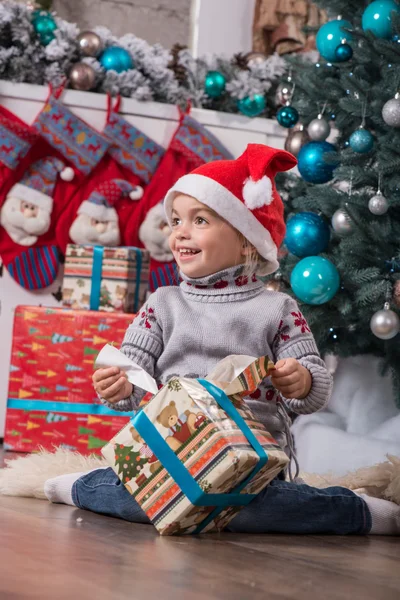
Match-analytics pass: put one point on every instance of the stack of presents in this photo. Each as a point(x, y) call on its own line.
point(194, 454)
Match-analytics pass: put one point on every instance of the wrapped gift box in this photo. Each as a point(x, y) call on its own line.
point(102, 278)
point(195, 455)
point(51, 400)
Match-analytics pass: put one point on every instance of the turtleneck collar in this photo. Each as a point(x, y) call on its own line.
point(224, 286)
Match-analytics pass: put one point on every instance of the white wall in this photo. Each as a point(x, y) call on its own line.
point(221, 26)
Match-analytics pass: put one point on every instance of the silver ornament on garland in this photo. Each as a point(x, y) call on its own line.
point(385, 324)
point(319, 129)
point(255, 58)
point(341, 222)
point(284, 92)
point(378, 204)
point(90, 44)
point(82, 77)
point(296, 139)
point(391, 111)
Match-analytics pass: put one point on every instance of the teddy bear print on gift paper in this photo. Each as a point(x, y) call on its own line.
point(145, 451)
point(180, 426)
point(119, 300)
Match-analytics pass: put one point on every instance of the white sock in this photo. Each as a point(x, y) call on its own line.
point(59, 489)
point(385, 515)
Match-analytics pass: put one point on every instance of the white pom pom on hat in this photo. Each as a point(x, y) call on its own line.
point(67, 174)
point(136, 193)
point(243, 192)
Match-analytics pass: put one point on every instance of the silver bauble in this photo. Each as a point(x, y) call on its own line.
point(385, 324)
point(391, 112)
point(296, 140)
point(378, 204)
point(255, 58)
point(283, 93)
point(90, 43)
point(342, 223)
point(319, 129)
point(82, 77)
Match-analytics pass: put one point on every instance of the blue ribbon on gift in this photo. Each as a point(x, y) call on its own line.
point(98, 253)
point(189, 486)
point(65, 407)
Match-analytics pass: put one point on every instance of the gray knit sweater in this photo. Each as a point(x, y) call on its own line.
point(185, 331)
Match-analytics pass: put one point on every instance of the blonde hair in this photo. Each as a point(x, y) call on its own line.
point(253, 259)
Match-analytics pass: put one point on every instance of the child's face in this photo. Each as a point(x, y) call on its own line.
point(202, 242)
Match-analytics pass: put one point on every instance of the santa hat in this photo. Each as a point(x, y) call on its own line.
point(243, 192)
point(38, 181)
point(100, 204)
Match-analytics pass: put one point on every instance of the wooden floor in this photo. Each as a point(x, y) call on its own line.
point(59, 552)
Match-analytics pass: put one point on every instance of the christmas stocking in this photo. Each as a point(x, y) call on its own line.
point(16, 140)
point(191, 146)
point(115, 187)
point(35, 202)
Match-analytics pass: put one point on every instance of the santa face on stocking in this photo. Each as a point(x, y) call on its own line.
point(97, 219)
point(26, 213)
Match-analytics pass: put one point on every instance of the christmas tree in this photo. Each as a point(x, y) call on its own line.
point(129, 462)
point(341, 257)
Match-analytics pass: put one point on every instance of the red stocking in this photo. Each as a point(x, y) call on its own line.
point(191, 146)
point(120, 178)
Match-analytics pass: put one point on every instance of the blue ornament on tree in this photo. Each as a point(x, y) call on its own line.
point(361, 141)
point(343, 52)
point(252, 106)
point(307, 234)
point(330, 36)
point(377, 17)
point(312, 162)
point(116, 59)
point(214, 84)
point(315, 280)
point(44, 26)
point(287, 116)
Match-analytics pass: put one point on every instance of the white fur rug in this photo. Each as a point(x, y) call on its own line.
point(25, 475)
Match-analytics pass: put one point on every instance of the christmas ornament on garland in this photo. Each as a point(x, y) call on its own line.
point(315, 280)
point(82, 77)
point(252, 106)
point(385, 324)
point(287, 116)
point(377, 18)
point(44, 25)
point(284, 91)
point(361, 140)
point(90, 43)
point(255, 58)
point(330, 39)
point(312, 162)
point(378, 204)
point(307, 234)
point(214, 84)
point(116, 59)
point(319, 128)
point(296, 139)
point(391, 111)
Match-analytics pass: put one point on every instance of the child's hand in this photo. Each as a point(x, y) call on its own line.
point(291, 379)
point(112, 384)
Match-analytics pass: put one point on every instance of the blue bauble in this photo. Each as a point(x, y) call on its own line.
point(307, 234)
point(330, 36)
point(315, 280)
point(377, 17)
point(311, 162)
point(44, 26)
point(116, 59)
point(251, 107)
point(287, 116)
point(361, 141)
point(343, 52)
point(214, 84)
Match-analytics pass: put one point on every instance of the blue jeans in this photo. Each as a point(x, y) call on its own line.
point(282, 507)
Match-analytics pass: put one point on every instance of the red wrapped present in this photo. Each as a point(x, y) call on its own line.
point(51, 400)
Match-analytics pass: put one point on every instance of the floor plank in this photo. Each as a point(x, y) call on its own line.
point(56, 551)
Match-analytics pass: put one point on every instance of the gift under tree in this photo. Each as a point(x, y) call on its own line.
point(343, 227)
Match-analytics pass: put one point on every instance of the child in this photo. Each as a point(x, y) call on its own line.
point(227, 225)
